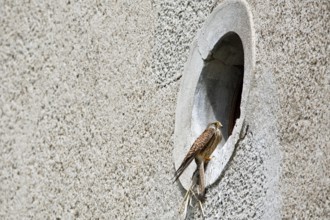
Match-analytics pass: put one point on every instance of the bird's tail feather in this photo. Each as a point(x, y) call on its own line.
point(182, 167)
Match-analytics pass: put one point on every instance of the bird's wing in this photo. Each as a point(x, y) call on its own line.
point(201, 142)
point(197, 146)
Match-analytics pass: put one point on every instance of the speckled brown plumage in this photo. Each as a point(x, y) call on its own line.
point(202, 148)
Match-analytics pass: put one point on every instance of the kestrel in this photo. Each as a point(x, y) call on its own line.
point(201, 151)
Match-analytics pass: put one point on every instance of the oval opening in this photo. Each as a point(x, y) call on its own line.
point(219, 88)
point(215, 86)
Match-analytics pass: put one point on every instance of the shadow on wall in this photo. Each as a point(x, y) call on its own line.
point(219, 88)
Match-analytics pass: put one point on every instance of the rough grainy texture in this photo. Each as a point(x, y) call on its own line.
point(84, 132)
point(87, 101)
point(293, 45)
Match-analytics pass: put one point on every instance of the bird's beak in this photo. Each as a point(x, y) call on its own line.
point(219, 124)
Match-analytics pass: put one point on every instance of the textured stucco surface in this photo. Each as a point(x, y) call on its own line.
point(87, 106)
point(293, 46)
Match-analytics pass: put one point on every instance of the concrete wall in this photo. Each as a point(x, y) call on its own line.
point(87, 106)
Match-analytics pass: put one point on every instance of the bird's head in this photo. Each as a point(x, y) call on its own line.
point(217, 124)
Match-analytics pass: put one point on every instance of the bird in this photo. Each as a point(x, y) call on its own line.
point(201, 151)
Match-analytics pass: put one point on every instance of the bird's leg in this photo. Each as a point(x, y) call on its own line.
point(201, 181)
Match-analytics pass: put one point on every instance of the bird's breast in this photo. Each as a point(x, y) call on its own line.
point(212, 144)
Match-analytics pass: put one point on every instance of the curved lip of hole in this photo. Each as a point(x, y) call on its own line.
point(219, 84)
point(220, 22)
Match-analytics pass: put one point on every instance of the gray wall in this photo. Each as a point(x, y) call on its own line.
point(87, 106)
